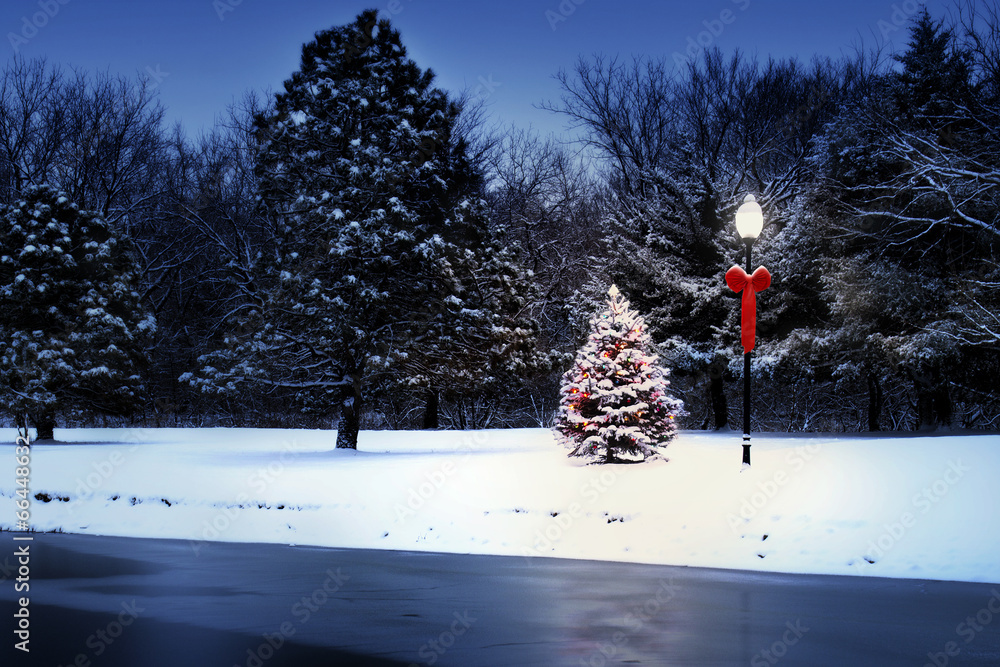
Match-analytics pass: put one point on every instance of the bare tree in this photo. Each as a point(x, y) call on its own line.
point(114, 145)
point(624, 112)
point(200, 246)
point(33, 124)
point(544, 199)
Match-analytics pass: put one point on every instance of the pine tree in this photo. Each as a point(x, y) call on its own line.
point(615, 404)
point(474, 338)
point(72, 333)
point(370, 189)
point(910, 170)
point(935, 83)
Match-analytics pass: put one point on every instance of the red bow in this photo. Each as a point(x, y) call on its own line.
point(739, 281)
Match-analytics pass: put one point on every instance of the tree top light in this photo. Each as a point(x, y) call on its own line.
point(749, 219)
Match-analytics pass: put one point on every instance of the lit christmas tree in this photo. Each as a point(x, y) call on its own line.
point(615, 405)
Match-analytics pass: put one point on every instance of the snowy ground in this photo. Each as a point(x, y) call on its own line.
point(904, 506)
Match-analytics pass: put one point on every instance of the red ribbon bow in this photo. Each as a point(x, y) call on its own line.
point(739, 281)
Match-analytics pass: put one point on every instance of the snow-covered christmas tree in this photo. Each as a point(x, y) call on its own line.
point(615, 405)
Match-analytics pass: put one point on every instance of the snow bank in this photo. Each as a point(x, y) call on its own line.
point(896, 506)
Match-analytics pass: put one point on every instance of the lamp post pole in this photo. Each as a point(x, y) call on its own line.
point(746, 381)
point(749, 223)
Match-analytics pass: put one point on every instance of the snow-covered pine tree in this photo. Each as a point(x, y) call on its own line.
point(615, 404)
point(474, 338)
point(367, 181)
point(935, 87)
point(907, 171)
point(72, 333)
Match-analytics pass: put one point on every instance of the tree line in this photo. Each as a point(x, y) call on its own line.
point(365, 250)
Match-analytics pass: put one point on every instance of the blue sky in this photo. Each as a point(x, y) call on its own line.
point(205, 53)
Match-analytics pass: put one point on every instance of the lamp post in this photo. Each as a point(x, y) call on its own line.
point(749, 223)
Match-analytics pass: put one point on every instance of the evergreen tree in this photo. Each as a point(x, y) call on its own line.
point(936, 79)
point(615, 404)
point(911, 170)
point(474, 337)
point(373, 198)
point(72, 333)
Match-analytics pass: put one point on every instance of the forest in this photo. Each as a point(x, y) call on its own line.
point(363, 250)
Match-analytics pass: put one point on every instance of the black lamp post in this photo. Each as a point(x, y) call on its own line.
point(749, 223)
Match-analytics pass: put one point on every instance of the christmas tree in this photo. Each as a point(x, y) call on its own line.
point(615, 405)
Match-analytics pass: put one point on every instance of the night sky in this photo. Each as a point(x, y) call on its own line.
point(206, 53)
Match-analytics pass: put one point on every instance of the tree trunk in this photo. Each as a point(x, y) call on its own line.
point(875, 402)
point(720, 407)
point(21, 421)
point(45, 424)
point(431, 411)
point(925, 415)
point(942, 405)
point(934, 405)
point(350, 416)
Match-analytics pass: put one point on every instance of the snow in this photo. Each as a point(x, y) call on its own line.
point(919, 506)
